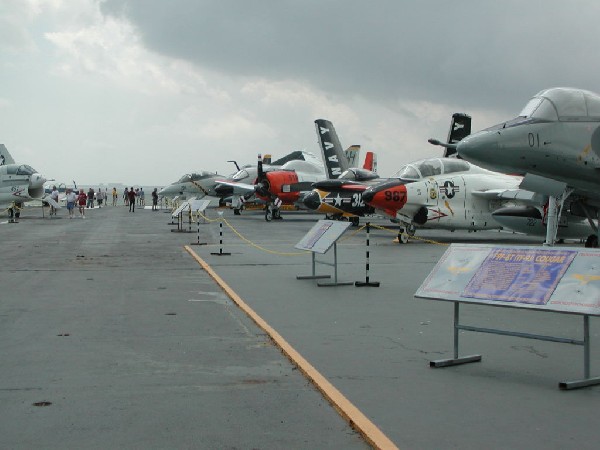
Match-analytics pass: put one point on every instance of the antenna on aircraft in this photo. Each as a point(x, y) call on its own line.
point(236, 164)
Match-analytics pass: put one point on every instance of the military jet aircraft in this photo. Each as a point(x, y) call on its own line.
point(342, 197)
point(204, 183)
point(284, 186)
point(197, 184)
point(555, 143)
point(442, 193)
point(291, 182)
point(19, 183)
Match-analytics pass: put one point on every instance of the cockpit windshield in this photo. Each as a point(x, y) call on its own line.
point(358, 174)
point(431, 167)
point(564, 104)
point(188, 177)
point(301, 166)
point(24, 169)
point(185, 179)
point(240, 175)
point(201, 175)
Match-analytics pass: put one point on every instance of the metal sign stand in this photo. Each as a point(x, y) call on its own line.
point(565, 385)
point(200, 206)
point(320, 239)
point(492, 275)
point(179, 213)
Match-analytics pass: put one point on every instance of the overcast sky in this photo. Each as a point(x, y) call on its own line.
point(143, 91)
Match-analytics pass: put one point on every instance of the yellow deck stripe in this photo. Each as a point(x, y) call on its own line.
point(345, 408)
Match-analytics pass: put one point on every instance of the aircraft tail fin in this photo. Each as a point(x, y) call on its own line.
point(370, 162)
point(460, 128)
point(333, 154)
point(352, 155)
point(5, 157)
point(267, 159)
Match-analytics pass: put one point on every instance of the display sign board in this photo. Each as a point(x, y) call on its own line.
point(199, 205)
point(561, 279)
point(185, 205)
point(322, 236)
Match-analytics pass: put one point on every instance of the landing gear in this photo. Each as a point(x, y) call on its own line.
point(592, 241)
point(237, 211)
point(402, 235)
point(355, 221)
point(405, 233)
point(272, 213)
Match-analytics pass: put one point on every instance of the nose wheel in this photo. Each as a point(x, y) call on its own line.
point(272, 213)
point(405, 233)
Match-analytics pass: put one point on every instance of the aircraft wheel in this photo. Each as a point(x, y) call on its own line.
point(592, 241)
point(355, 221)
point(402, 236)
point(268, 215)
point(236, 212)
point(277, 214)
point(411, 230)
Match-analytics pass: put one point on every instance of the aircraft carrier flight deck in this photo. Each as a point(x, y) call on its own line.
point(113, 335)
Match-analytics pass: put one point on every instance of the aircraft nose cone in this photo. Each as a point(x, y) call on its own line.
point(478, 148)
point(312, 200)
point(390, 195)
point(37, 180)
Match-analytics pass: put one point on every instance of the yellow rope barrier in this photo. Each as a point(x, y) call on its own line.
point(273, 252)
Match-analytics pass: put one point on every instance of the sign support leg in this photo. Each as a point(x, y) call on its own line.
point(587, 381)
point(456, 360)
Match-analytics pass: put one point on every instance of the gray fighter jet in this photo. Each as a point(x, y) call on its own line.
point(555, 143)
point(19, 183)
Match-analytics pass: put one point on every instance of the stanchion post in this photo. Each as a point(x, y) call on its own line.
point(198, 221)
point(367, 282)
point(221, 252)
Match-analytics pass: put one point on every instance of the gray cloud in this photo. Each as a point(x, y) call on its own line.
point(494, 54)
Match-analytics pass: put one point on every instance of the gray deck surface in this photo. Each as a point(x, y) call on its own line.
point(135, 346)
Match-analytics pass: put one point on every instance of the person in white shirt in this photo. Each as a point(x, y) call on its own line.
point(71, 198)
point(53, 196)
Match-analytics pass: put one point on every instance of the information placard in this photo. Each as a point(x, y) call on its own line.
point(546, 278)
point(199, 205)
point(322, 236)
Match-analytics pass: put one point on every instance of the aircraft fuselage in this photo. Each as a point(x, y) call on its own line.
point(446, 202)
point(564, 151)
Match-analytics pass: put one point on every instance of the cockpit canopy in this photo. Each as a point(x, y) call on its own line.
point(563, 104)
point(188, 177)
point(302, 166)
point(357, 174)
point(429, 167)
point(23, 169)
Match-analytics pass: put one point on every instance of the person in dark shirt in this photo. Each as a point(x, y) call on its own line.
point(154, 200)
point(131, 197)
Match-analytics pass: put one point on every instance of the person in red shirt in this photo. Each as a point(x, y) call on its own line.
point(81, 201)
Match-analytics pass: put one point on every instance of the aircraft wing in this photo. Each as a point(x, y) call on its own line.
point(520, 195)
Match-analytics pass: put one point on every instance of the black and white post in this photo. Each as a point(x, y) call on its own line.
point(367, 282)
point(221, 252)
point(198, 222)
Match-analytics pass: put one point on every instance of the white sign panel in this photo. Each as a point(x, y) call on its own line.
point(322, 236)
point(561, 279)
